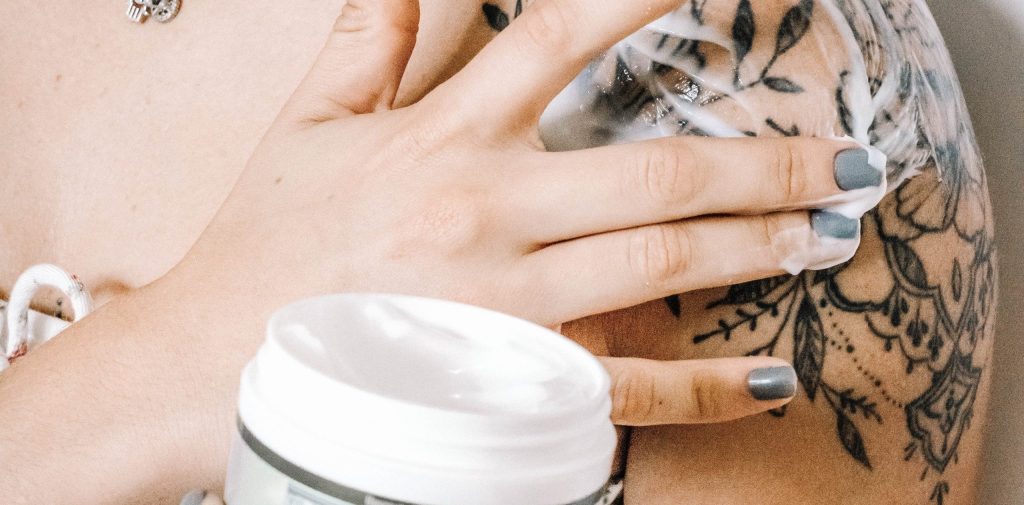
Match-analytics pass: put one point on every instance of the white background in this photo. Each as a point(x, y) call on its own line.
point(986, 39)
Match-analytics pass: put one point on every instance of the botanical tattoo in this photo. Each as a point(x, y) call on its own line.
point(934, 317)
point(931, 238)
point(499, 19)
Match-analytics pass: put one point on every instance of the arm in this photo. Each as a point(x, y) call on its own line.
point(131, 403)
point(892, 349)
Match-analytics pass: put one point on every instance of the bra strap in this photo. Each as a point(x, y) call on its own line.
point(17, 339)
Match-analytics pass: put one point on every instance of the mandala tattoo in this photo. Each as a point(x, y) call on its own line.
point(932, 236)
point(933, 320)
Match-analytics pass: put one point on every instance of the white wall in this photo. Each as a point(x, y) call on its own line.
point(986, 39)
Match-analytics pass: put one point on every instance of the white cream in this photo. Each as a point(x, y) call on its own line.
point(890, 111)
point(806, 250)
point(482, 372)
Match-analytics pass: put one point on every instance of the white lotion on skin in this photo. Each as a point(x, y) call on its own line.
point(683, 75)
point(855, 203)
point(806, 250)
point(419, 401)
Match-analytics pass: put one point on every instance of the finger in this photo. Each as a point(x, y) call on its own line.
point(362, 63)
point(620, 269)
point(623, 186)
point(526, 65)
point(648, 392)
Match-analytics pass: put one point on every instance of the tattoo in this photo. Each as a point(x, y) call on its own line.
point(794, 26)
point(933, 317)
point(939, 492)
point(697, 10)
point(497, 18)
point(935, 310)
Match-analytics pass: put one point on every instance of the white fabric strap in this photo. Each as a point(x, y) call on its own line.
point(16, 336)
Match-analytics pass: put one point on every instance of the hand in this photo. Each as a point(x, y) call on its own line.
point(450, 197)
point(454, 197)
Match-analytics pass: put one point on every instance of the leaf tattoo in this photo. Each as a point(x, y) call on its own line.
point(851, 439)
point(751, 291)
point(939, 492)
point(913, 270)
point(809, 347)
point(842, 109)
point(743, 31)
point(794, 26)
point(496, 17)
point(782, 85)
point(957, 281)
point(674, 305)
point(793, 131)
point(697, 10)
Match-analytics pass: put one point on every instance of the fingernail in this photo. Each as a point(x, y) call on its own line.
point(830, 224)
point(772, 383)
point(853, 170)
point(194, 498)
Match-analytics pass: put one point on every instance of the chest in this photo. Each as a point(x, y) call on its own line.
point(120, 140)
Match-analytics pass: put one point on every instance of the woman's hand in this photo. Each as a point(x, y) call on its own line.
point(451, 197)
point(454, 197)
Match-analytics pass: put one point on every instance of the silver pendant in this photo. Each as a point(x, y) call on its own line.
point(160, 10)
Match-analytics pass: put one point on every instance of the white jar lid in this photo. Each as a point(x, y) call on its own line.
point(430, 402)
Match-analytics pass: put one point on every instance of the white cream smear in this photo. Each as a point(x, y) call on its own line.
point(806, 250)
point(858, 79)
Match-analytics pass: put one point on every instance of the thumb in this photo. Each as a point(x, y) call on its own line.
point(362, 63)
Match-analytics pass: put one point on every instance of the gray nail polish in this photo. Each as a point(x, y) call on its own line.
point(853, 170)
point(194, 498)
point(772, 383)
point(830, 224)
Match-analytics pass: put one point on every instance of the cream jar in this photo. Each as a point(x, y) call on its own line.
point(384, 399)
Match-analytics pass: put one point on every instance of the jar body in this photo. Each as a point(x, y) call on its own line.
point(363, 398)
point(257, 476)
point(252, 480)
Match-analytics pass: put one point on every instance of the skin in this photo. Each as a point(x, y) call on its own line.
point(740, 459)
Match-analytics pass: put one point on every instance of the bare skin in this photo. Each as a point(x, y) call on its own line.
point(158, 155)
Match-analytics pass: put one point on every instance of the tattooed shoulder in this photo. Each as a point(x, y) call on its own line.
point(923, 288)
point(899, 337)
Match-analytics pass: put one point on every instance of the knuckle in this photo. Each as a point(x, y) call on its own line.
point(707, 393)
point(788, 168)
point(767, 229)
point(356, 16)
point(448, 226)
point(424, 143)
point(548, 29)
point(666, 176)
point(360, 16)
point(633, 396)
point(457, 222)
point(660, 255)
point(771, 231)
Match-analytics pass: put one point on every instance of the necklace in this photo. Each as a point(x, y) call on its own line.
point(160, 10)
